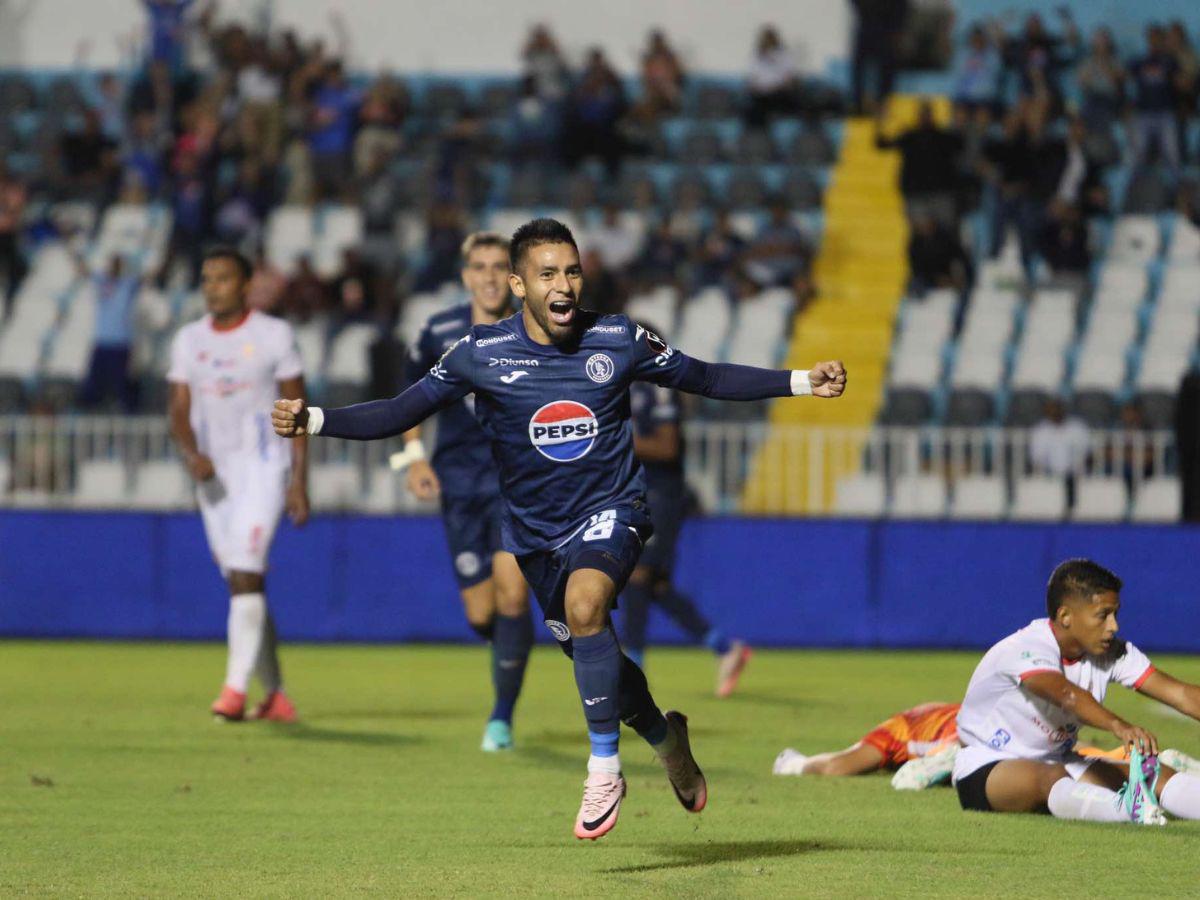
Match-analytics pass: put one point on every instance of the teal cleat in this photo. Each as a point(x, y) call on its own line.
point(497, 736)
point(1137, 796)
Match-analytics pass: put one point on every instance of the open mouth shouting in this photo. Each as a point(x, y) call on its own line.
point(562, 312)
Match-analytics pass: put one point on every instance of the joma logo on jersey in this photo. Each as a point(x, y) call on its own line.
point(564, 430)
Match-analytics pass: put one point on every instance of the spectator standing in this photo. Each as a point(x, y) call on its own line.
point(936, 257)
point(116, 292)
point(1037, 57)
point(1058, 446)
point(779, 251)
point(13, 198)
point(977, 72)
point(333, 114)
point(1101, 79)
point(1008, 168)
point(928, 164)
point(876, 38)
point(594, 111)
point(168, 31)
point(1155, 78)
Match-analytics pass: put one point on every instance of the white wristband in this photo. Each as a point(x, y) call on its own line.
point(414, 451)
point(316, 418)
point(801, 386)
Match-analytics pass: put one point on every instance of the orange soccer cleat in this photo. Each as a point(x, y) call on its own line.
point(230, 706)
point(275, 707)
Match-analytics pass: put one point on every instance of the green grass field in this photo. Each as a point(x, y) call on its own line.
point(114, 780)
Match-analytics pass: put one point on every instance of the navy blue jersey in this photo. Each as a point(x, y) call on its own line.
point(653, 405)
point(462, 456)
point(558, 417)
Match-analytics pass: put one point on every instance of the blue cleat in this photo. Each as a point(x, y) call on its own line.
point(497, 736)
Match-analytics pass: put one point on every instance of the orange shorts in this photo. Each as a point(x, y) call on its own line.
point(914, 733)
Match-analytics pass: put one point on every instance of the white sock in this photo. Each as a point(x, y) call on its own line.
point(1181, 796)
point(267, 666)
point(610, 764)
point(1071, 799)
point(247, 620)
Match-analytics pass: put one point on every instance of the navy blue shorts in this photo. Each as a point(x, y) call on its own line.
point(473, 532)
point(610, 540)
point(667, 514)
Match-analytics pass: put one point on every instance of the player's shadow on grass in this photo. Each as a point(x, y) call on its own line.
point(302, 731)
point(399, 713)
point(710, 853)
point(543, 749)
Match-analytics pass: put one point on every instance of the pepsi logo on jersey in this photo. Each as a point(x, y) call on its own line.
point(563, 430)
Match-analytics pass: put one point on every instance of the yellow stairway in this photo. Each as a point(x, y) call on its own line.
point(860, 273)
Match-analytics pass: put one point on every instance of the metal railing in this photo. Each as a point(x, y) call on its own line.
point(734, 467)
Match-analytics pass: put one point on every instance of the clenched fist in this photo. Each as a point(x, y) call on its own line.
point(289, 418)
point(828, 379)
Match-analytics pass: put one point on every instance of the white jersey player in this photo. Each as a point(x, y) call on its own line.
point(1032, 692)
point(225, 372)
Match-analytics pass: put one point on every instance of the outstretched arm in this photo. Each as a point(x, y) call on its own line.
point(1054, 687)
point(1175, 693)
point(363, 421)
point(723, 381)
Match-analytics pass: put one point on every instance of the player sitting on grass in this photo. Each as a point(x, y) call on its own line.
point(551, 389)
point(920, 744)
point(1029, 696)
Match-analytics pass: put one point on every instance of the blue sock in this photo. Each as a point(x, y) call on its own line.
point(715, 640)
point(598, 661)
point(512, 639)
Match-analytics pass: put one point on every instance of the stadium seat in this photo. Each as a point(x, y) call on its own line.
point(1025, 406)
point(71, 349)
point(915, 369)
point(1121, 284)
point(384, 491)
point(1096, 373)
point(349, 355)
point(657, 308)
point(906, 405)
point(704, 324)
point(1100, 500)
point(1158, 500)
point(1185, 242)
point(334, 486)
point(417, 310)
point(162, 484)
point(310, 341)
point(978, 497)
point(969, 407)
point(1180, 289)
point(1135, 238)
point(1097, 407)
point(1039, 498)
point(918, 497)
point(1158, 407)
point(340, 227)
point(860, 496)
point(290, 235)
point(759, 327)
point(101, 483)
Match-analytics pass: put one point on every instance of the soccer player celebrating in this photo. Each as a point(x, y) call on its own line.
point(222, 368)
point(552, 394)
point(658, 445)
point(464, 476)
point(1029, 696)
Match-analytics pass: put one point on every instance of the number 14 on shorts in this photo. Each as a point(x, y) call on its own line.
point(600, 526)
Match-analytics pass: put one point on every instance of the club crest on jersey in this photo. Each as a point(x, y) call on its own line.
point(563, 430)
point(599, 368)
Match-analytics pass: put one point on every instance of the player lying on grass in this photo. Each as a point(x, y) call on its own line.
point(463, 476)
point(1031, 693)
point(551, 389)
point(920, 746)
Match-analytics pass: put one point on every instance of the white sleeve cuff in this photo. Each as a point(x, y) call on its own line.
point(316, 418)
point(801, 386)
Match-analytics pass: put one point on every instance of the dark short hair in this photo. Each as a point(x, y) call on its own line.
point(1078, 578)
point(537, 232)
point(479, 239)
point(239, 259)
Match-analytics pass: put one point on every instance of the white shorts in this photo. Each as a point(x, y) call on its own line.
point(969, 759)
point(241, 507)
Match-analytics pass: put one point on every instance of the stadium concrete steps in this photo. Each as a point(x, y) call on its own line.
point(860, 273)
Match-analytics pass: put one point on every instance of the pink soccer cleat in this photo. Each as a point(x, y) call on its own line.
point(685, 776)
point(275, 707)
point(230, 706)
point(602, 795)
point(730, 666)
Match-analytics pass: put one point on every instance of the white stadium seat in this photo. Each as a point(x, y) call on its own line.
point(704, 324)
point(290, 235)
point(339, 227)
point(335, 487)
point(349, 355)
point(918, 497)
point(1180, 289)
point(915, 370)
point(977, 370)
point(1100, 500)
point(1121, 284)
point(1039, 498)
point(1185, 241)
point(979, 497)
point(861, 496)
point(1135, 238)
point(658, 307)
point(162, 484)
point(101, 483)
point(71, 349)
point(759, 328)
point(1158, 500)
point(1099, 372)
